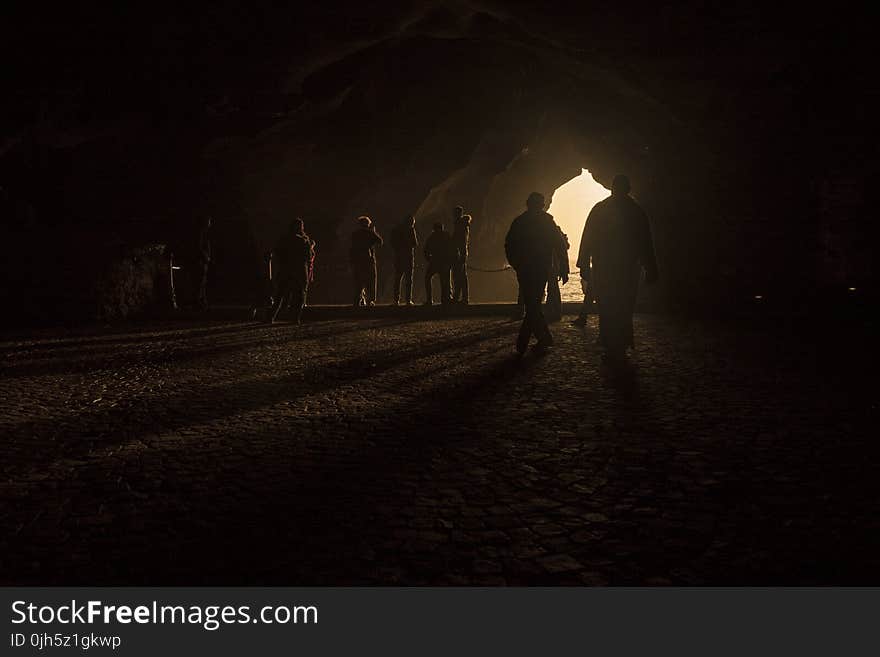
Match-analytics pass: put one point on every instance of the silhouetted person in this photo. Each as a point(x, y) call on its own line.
point(532, 244)
point(441, 255)
point(461, 237)
point(404, 240)
point(559, 271)
point(313, 251)
point(204, 262)
point(290, 264)
point(615, 247)
point(362, 256)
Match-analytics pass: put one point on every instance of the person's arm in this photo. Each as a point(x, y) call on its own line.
point(564, 267)
point(511, 247)
point(586, 249)
point(377, 238)
point(414, 238)
point(562, 247)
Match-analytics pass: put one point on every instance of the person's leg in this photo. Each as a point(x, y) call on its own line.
point(203, 287)
point(582, 315)
point(373, 283)
point(525, 328)
point(358, 287)
point(398, 277)
point(298, 299)
point(445, 281)
point(408, 279)
point(554, 300)
point(453, 289)
point(611, 328)
point(456, 282)
point(627, 311)
point(281, 299)
point(533, 291)
point(429, 294)
point(519, 310)
point(465, 284)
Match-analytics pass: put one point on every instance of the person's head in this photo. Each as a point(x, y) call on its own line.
point(297, 226)
point(208, 222)
point(457, 211)
point(620, 185)
point(410, 221)
point(364, 221)
point(466, 219)
point(438, 227)
point(535, 201)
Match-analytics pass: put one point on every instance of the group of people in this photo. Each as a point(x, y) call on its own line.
point(615, 247)
point(446, 254)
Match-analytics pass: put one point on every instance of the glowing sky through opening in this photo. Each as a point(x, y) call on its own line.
point(572, 203)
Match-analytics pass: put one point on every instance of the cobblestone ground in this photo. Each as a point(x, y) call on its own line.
point(387, 451)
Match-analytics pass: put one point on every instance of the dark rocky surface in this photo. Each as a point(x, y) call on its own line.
point(393, 451)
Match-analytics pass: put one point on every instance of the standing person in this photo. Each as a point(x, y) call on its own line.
point(362, 256)
point(291, 263)
point(616, 245)
point(441, 254)
point(559, 271)
point(531, 245)
point(461, 237)
point(204, 262)
point(404, 240)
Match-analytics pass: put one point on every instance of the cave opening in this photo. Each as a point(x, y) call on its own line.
point(570, 205)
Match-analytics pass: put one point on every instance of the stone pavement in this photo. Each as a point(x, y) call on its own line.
point(395, 451)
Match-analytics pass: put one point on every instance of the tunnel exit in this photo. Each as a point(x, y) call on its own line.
point(570, 206)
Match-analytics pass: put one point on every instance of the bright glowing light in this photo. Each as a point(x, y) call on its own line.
point(572, 203)
point(852, 289)
point(759, 297)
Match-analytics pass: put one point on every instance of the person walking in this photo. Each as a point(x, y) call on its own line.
point(615, 247)
point(532, 243)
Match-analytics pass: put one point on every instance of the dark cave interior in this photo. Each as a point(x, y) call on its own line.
point(745, 130)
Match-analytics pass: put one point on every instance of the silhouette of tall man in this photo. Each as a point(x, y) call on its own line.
point(362, 257)
point(533, 243)
point(616, 245)
point(441, 255)
point(292, 258)
point(404, 240)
